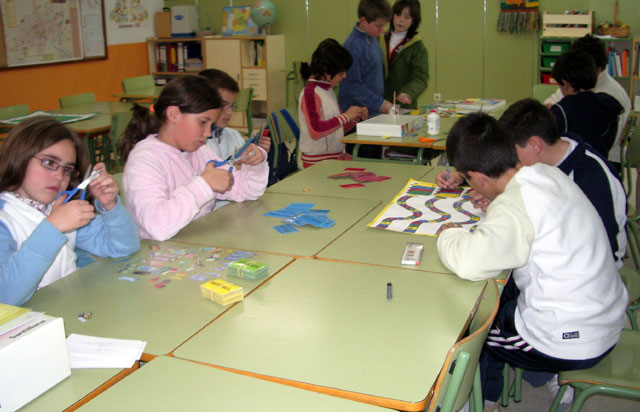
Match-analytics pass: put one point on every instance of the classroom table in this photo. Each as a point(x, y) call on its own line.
point(243, 226)
point(385, 247)
point(330, 327)
point(150, 93)
point(164, 317)
point(315, 180)
point(407, 141)
point(169, 384)
point(95, 107)
point(71, 390)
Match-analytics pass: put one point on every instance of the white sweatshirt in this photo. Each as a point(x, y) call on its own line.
point(572, 302)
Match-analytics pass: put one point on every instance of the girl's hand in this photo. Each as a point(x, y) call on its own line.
point(251, 156)
point(104, 188)
point(265, 143)
point(70, 216)
point(455, 179)
point(220, 180)
point(357, 113)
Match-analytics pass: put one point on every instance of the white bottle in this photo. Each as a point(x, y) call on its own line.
point(433, 123)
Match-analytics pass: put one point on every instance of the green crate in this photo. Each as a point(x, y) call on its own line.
point(555, 47)
point(548, 62)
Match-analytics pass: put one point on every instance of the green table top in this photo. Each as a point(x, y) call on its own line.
point(373, 246)
point(163, 317)
point(331, 324)
point(71, 390)
point(242, 225)
point(95, 107)
point(315, 180)
point(144, 93)
point(169, 384)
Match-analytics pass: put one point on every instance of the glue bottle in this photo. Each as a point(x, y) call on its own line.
point(433, 123)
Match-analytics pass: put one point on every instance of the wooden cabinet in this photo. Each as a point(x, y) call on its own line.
point(256, 62)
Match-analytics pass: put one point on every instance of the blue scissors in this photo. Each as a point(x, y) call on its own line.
point(89, 176)
point(233, 159)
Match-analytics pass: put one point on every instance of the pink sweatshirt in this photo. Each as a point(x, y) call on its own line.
point(165, 192)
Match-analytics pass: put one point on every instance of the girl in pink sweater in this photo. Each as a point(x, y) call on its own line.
point(167, 179)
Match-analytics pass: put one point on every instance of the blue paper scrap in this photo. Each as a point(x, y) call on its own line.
point(284, 229)
point(199, 277)
point(128, 279)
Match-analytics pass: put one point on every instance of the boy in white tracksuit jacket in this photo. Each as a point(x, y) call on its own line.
point(565, 306)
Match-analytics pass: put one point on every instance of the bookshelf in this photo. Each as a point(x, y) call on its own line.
point(620, 49)
point(254, 61)
point(634, 88)
point(169, 57)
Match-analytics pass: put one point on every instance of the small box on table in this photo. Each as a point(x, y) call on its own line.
point(222, 292)
point(397, 125)
point(34, 358)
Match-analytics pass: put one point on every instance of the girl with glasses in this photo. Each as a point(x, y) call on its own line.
point(41, 237)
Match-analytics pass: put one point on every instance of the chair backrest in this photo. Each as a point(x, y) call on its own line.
point(629, 154)
point(118, 178)
point(284, 129)
point(17, 110)
point(541, 91)
point(138, 83)
point(454, 383)
point(294, 85)
point(119, 122)
point(243, 104)
point(81, 98)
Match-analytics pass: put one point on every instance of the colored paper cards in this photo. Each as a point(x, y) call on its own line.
point(222, 292)
point(248, 269)
point(300, 214)
point(359, 175)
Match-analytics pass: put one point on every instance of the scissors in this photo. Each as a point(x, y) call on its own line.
point(233, 159)
point(89, 176)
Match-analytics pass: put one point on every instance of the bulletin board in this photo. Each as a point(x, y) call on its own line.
point(39, 32)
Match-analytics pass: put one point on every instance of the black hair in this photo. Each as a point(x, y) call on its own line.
point(374, 9)
point(477, 142)
point(329, 58)
point(595, 47)
point(191, 94)
point(577, 68)
point(414, 10)
point(220, 80)
point(529, 117)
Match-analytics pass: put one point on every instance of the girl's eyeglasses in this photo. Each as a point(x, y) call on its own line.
point(51, 164)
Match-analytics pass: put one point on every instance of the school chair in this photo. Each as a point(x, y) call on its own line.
point(131, 84)
point(459, 379)
point(74, 99)
point(285, 132)
point(615, 375)
point(629, 155)
point(118, 178)
point(243, 104)
point(541, 91)
point(119, 122)
point(10, 112)
point(294, 85)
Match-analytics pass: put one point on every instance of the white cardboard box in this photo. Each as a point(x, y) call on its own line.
point(390, 125)
point(33, 358)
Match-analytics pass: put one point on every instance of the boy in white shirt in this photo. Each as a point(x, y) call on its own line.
point(567, 306)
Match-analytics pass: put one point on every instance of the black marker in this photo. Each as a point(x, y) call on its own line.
point(389, 290)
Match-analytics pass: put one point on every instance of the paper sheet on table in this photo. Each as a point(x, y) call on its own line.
point(96, 352)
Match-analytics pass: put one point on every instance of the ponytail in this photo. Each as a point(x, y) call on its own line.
point(191, 94)
point(142, 124)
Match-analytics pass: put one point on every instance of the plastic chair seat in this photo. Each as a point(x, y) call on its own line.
point(618, 374)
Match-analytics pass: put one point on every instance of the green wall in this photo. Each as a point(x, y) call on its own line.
point(467, 56)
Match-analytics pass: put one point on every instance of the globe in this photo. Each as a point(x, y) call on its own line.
point(263, 13)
